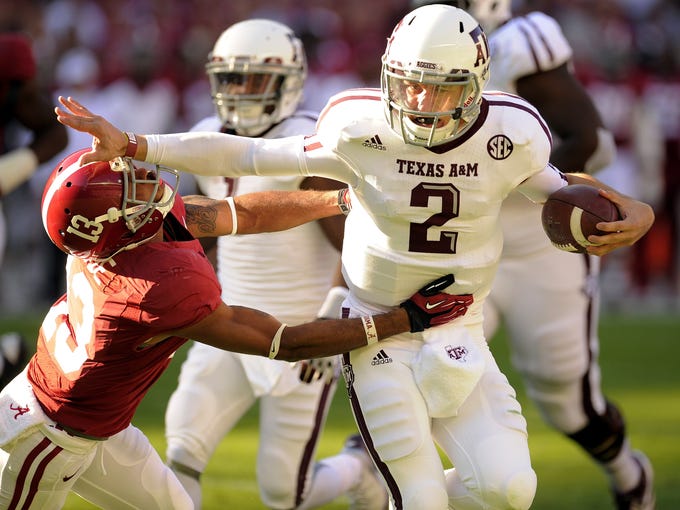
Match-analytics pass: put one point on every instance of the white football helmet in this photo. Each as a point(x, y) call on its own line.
point(489, 13)
point(434, 69)
point(256, 70)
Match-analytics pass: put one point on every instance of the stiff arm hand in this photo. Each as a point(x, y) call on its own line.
point(108, 142)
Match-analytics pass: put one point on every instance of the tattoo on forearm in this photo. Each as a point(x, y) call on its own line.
point(202, 217)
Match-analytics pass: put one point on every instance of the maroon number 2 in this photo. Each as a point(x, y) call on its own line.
point(450, 203)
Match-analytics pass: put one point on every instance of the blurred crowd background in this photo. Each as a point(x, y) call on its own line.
point(140, 63)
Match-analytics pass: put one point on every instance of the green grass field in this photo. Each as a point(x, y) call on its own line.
point(639, 358)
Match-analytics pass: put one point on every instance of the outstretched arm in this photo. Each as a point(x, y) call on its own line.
point(266, 211)
point(206, 153)
point(241, 329)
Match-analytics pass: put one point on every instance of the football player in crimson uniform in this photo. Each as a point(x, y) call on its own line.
point(429, 159)
point(257, 71)
point(553, 329)
point(138, 286)
point(21, 101)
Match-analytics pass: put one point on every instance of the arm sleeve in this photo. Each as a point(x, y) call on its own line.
point(539, 186)
point(211, 154)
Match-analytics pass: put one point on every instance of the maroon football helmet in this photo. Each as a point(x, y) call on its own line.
point(99, 209)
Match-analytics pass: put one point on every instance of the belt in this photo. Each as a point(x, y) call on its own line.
point(77, 433)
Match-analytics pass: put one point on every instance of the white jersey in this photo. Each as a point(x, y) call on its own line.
point(524, 46)
point(292, 272)
point(417, 213)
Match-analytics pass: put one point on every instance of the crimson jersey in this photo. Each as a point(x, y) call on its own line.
point(92, 366)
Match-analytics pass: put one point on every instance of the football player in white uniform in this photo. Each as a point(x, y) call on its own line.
point(257, 71)
point(429, 160)
point(553, 330)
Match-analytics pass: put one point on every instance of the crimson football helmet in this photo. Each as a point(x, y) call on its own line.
point(257, 71)
point(490, 13)
point(434, 69)
point(100, 209)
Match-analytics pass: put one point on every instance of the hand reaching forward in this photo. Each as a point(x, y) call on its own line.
point(108, 142)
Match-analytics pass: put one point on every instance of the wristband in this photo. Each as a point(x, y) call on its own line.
point(276, 342)
point(131, 149)
point(344, 201)
point(234, 217)
point(369, 329)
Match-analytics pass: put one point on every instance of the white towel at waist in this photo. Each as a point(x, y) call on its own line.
point(20, 412)
point(447, 368)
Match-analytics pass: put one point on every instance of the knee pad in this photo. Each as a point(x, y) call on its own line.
point(180, 453)
point(277, 480)
point(514, 493)
point(520, 491)
point(604, 435)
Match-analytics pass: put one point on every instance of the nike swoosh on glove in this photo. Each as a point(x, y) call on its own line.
point(431, 307)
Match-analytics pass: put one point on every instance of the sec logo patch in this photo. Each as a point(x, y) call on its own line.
point(499, 147)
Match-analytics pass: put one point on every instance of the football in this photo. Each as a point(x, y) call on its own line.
point(570, 214)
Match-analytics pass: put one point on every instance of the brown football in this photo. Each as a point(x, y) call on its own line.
point(571, 213)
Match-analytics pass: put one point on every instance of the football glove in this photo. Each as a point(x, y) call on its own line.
point(318, 368)
point(431, 307)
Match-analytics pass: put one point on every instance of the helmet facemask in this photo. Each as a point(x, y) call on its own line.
point(429, 108)
point(248, 96)
point(257, 69)
point(139, 201)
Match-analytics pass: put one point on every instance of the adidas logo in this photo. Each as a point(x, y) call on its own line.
point(381, 358)
point(374, 143)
